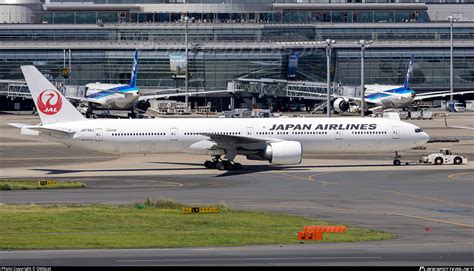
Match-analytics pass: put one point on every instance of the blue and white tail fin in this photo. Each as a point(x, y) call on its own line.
point(133, 76)
point(406, 84)
point(52, 106)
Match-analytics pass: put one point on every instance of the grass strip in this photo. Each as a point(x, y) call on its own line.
point(35, 184)
point(158, 224)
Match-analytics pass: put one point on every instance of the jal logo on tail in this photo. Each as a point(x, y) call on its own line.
point(49, 102)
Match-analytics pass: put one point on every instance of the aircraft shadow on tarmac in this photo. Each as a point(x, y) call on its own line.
point(247, 169)
point(66, 171)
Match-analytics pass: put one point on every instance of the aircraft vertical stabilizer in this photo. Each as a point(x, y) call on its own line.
point(52, 106)
point(406, 84)
point(133, 76)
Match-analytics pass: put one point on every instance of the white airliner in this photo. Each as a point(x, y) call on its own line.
point(281, 141)
point(124, 96)
point(381, 97)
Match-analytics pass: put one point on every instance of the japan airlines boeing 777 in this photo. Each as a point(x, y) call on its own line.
point(281, 141)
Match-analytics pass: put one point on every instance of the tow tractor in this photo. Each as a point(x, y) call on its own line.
point(444, 156)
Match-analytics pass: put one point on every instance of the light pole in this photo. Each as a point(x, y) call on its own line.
point(451, 66)
point(186, 101)
point(363, 44)
point(328, 43)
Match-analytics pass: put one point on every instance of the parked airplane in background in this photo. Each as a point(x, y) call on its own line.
point(281, 141)
point(123, 96)
point(381, 97)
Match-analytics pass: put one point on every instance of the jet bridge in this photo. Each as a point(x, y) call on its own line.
point(19, 89)
point(14, 89)
point(284, 88)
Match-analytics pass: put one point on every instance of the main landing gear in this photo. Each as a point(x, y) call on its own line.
point(396, 160)
point(220, 164)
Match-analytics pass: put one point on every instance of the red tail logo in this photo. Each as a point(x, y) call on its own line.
point(49, 102)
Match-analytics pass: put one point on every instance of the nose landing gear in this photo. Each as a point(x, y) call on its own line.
point(396, 160)
point(218, 163)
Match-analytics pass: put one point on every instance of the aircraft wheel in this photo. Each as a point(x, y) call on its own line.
point(209, 164)
point(396, 162)
point(438, 161)
point(220, 166)
point(237, 166)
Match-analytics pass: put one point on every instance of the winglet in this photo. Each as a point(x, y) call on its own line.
point(51, 104)
point(133, 76)
point(406, 84)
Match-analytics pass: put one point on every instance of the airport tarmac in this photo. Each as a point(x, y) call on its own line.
point(429, 208)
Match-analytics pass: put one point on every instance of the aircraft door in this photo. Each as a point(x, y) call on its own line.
point(98, 134)
point(249, 131)
point(395, 132)
point(174, 134)
point(339, 135)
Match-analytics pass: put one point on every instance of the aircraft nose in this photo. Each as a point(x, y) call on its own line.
point(421, 138)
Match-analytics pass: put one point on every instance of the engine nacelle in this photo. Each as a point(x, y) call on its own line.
point(341, 105)
point(284, 153)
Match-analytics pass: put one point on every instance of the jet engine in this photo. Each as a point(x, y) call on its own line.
point(283, 153)
point(341, 105)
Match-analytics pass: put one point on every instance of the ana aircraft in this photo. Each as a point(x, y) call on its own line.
point(124, 96)
point(281, 141)
point(381, 97)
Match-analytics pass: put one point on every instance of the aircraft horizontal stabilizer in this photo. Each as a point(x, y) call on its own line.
point(27, 129)
point(53, 131)
point(19, 125)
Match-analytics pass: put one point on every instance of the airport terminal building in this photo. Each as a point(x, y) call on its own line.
point(230, 40)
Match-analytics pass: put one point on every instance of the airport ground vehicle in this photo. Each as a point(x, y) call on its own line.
point(444, 156)
point(83, 108)
point(455, 107)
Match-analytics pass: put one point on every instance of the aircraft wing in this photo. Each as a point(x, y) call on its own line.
point(230, 142)
point(367, 101)
point(164, 96)
point(335, 96)
point(83, 99)
point(423, 96)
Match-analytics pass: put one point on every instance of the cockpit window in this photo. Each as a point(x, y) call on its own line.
point(418, 130)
